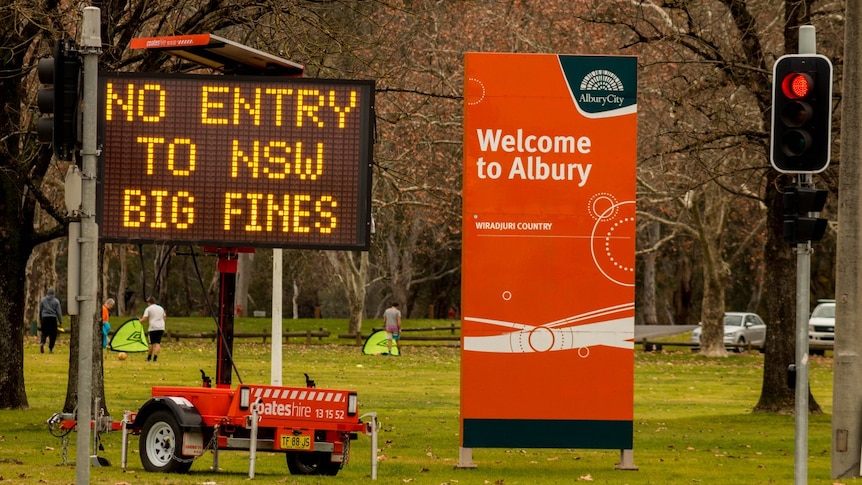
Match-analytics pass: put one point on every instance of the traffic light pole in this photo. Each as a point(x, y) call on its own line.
point(90, 47)
point(805, 170)
point(803, 284)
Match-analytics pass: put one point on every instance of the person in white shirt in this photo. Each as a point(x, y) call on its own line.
point(156, 317)
point(392, 324)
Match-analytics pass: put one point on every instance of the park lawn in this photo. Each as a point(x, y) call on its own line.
point(693, 421)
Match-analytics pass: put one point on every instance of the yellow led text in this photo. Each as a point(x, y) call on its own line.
point(225, 105)
point(147, 104)
point(272, 160)
point(256, 212)
point(180, 168)
point(158, 209)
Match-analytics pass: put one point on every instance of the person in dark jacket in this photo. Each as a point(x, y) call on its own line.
point(51, 317)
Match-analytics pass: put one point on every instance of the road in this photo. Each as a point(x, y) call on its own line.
point(653, 331)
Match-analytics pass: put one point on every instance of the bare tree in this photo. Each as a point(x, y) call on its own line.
point(713, 61)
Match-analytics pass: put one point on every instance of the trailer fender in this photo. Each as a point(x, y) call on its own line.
point(186, 413)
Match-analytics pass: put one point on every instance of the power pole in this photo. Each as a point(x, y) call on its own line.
point(847, 364)
point(91, 47)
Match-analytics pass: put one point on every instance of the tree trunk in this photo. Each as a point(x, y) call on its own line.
point(98, 377)
point(775, 395)
point(757, 290)
point(295, 299)
point(714, 275)
point(161, 267)
point(121, 285)
point(649, 312)
point(682, 297)
point(105, 252)
point(712, 313)
point(353, 275)
point(245, 266)
point(12, 286)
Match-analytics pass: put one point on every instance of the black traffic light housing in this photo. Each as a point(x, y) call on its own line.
point(59, 101)
point(801, 114)
point(799, 225)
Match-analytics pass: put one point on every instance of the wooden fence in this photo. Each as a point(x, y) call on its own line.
point(407, 334)
point(286, 336)
point(414, 334)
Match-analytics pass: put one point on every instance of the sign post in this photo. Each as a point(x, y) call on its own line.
point(91, 47)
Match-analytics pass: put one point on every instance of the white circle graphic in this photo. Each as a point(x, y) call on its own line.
point(612, 218)
point(472, 100)
point(541, 339)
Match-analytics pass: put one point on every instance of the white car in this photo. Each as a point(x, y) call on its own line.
point(741, 329)
point(821, 326)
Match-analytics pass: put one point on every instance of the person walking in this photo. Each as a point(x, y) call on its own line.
point(106, 325)
point(392, 325)
point(156, 317)
point(50, 317)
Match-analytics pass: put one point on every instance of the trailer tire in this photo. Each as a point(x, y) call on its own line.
point(311, 463)
point(161, 444)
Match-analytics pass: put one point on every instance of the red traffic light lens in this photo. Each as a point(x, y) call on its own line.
point(797, 85)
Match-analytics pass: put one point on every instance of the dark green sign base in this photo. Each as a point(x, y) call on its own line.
point(539, 433)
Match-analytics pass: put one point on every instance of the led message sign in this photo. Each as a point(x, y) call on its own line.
point(235, 161)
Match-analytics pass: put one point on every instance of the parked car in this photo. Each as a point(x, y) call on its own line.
point(821, 327)
point(741, 329)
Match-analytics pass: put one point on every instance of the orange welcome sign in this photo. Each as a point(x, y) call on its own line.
point(548, 251)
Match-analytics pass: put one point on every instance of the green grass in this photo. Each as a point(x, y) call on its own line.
point(693, 419)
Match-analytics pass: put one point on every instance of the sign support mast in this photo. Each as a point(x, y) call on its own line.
point(91, 47)
point(807, 45)
point(847, 361)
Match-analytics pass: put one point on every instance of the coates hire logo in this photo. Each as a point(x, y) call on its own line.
point(601, 92)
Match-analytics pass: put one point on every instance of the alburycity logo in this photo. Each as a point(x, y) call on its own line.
point(605, 82)
point(601, 86)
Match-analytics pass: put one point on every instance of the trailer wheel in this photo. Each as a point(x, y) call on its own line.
point(161, 444)
point(311, 463)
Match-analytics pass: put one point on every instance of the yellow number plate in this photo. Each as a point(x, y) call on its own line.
point(295, 442)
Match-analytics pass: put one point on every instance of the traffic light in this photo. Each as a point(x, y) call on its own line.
point(59, 101)
point(799, 225)
point(801, 114)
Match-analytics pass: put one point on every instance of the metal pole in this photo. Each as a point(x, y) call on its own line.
point(90, 46)
point(252, 445)
point(96, 424)
point(803, 283)
point(847, 364)
point(807, 45)
point(276, 357)
point(124, 449)
point(215, 448)
point(372, 428)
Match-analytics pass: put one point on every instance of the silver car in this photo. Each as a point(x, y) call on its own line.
point(821, 327)
point(741, 329)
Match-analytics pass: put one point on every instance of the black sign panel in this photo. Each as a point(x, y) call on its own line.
point(235, 161)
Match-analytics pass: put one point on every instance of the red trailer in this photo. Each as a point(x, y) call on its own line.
point(312, 427)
